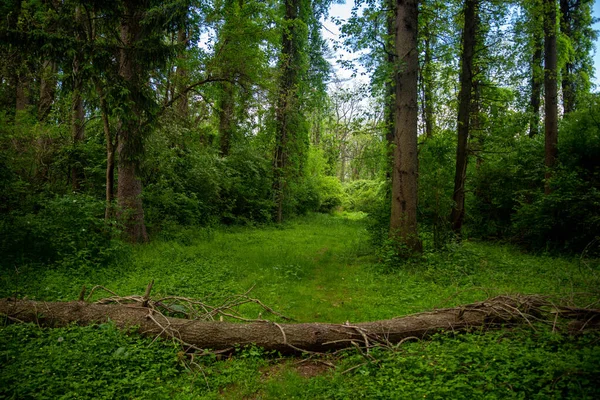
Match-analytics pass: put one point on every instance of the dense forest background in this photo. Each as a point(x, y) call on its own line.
point(146, 117)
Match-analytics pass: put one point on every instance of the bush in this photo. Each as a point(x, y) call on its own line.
point(68, 229)
point(569, 217)
point(362, 195)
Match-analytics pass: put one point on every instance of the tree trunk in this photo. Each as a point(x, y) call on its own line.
point(390, 89)
point(110, 153)
point(129, 188)
point(181, 76)
point(550, 87)
point(47, 89)
point(536, 88)
point(403, 220)
point(287, 338)
point(226, 110)
point(568, 86)
point(77, 110)
point(464, 107)
point(22, 89)
point(287, 104)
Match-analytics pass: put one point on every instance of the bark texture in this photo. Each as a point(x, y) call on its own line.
point(568, 86)
point(403, 220)
point(550, 90)
point(129, 188)
point(294, 337)
point(469, 36)
point(287, 106)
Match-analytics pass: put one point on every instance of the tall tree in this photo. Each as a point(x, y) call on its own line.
point(77, 110)
point(575, 25)
point(129, 189)
point(403, 220)
point(536, 70)
point(550, 90)
point(289, 119)
point(469, 37)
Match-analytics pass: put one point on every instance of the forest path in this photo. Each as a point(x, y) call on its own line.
point(316, 268)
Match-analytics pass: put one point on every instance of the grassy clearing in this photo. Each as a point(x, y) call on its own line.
point(317, 268)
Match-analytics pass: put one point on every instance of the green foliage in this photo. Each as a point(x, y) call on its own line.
point(83, 362)
point(437, 158)
point(196, 187)
point(315, 268)
point(69, 230)
point(362, 195)
point(504, 364)
point(568, 218)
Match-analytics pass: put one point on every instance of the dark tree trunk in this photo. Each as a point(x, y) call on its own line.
point(568, 86)
point(427, 82)
point(181, 74)
point(22, 89)
point(129, 188)
point(390, 88)
point(469, 36)
point(287, 104)
point(551, 90)
point(403, 220)
point(226, 111)
point(77, 110)
point(536, 87)
point(110, 153)
point(47, 89)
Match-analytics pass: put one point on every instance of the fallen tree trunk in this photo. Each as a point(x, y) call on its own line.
point(316, 337)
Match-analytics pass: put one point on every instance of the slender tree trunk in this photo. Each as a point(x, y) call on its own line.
point(47, 89)
point(77, 110)
point(129, 188)
point(403, 221)
point(464, 107)
point(536, 88)
point(226, 110)
point(568, 87)
point(551, 91)
point(110, 153)
point(427, 83)
point(390, 89)
point(181, 75)
point(22, 90)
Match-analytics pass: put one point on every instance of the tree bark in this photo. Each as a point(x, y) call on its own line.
point(110, 153)
point(288, 338)
point(47, 89)
point(536, 88)
point(568, 86)
point(77, 110)
point(390, 89)
point(129, 188)
point(182, 76)
point(469, 37)
point(226, 110)
point(551, 90)
point(287, 104)
point(403, 220)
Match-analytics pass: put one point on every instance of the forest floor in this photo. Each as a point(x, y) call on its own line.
point(318, 268)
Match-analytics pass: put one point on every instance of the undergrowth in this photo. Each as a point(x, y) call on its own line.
point(317, 268)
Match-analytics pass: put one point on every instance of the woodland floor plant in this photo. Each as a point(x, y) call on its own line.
point(315, 268)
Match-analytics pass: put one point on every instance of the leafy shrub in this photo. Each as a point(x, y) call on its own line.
point(83, 362)
point(569, 217)
point(362, 195)
point(69, 229)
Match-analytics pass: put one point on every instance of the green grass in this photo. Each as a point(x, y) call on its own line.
point(316, 268)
